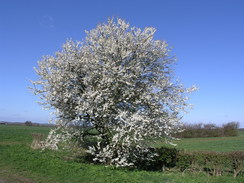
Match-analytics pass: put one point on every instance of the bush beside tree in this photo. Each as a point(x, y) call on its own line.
point(211, 163)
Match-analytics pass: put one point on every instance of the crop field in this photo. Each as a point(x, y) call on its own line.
point(217, 144)
point(19, 163)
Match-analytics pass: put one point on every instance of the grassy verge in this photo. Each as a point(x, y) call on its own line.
point(19, 163)
point(34, 166)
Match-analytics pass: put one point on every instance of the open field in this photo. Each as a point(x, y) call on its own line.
point(19, 163)
point(218, 144)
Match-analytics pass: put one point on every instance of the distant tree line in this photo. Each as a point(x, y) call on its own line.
point(208, 130)
point(29, 123)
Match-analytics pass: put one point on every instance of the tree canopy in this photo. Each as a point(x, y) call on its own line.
point(116, 85)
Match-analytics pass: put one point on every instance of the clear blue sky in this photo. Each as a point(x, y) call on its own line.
point(206, 35)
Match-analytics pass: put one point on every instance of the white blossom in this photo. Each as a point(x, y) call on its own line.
point(117, 81)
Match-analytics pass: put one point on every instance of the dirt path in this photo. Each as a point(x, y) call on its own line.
point(16, 179)
point(10, 177)
point(2, 181)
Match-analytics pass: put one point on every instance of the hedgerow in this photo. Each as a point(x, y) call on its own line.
point(211, 163)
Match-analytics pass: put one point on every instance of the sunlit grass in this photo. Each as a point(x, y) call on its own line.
point(20, 163)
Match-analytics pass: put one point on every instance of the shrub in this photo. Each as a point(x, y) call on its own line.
point(231, 129)
point(184, 160)
point(237, 162)
point(165, 158)
point(216, 163)
point(213, 163)
point(28, 123)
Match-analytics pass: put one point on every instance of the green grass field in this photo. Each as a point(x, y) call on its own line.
point(218, 144)
point(20, 163)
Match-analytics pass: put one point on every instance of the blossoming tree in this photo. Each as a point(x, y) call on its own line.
point(117, 86)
